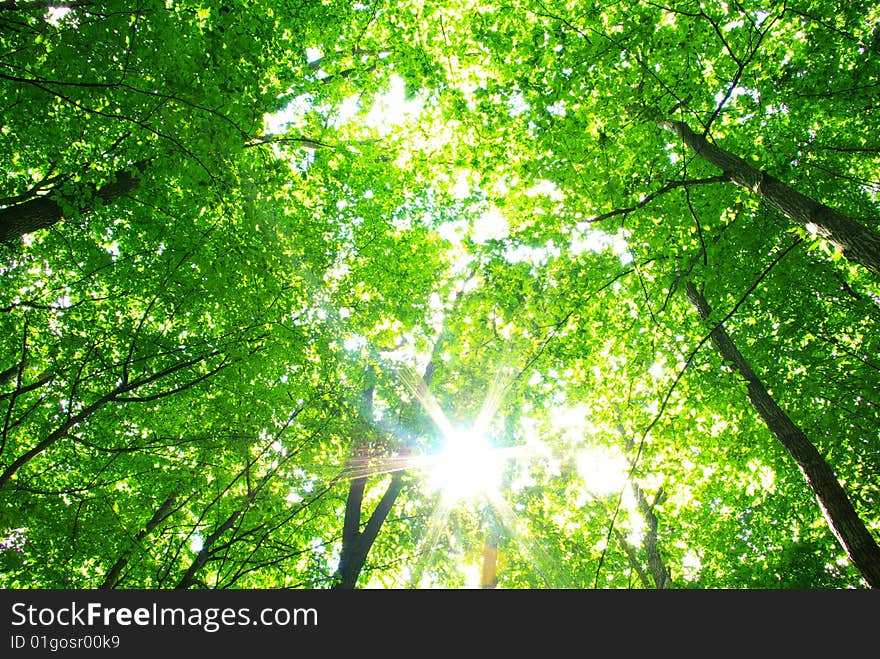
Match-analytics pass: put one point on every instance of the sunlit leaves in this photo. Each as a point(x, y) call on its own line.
point(482, 190)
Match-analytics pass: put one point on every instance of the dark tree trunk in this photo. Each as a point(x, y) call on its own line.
point(204, 555)
point(356, 544)
point(43, 212)
point(847, 526)
point(858, 243)
point(158, 517)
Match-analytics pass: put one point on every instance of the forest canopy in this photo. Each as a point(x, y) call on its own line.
point(527, 294)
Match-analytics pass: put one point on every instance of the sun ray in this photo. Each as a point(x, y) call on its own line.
point(468, 471)
point(426, 399)
point(436, 523)
point(470, 467)
point(492, 402)
point(537, 558)
point(367, 467)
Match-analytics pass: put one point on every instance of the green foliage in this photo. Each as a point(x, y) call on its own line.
point(182, 368)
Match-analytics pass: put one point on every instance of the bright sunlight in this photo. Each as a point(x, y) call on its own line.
point(468, 466)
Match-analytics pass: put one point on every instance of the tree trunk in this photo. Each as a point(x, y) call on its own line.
point(489, 570)
point(656, 565)
point(633, 558)
point(158, 517)
point(356, 544)
point(847, 526)
point(205, 554)
point(858, 243)
point(42, 212)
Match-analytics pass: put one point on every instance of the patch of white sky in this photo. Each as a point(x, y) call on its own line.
point(292, 116)
point(388, 109)
point(690, 564)
point(305, 485)
point(753, 94)
point(196, 543)
point(588, 239)
point(493, 225)
point(517, 104)
point(565, 433)
point(54, 15)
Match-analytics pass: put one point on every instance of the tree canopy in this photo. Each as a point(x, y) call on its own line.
point(535, 294)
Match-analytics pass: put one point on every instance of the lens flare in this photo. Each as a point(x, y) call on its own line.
point(468, 466)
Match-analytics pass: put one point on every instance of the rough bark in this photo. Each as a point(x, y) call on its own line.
point(858, 243)
point(42, 212)
point(842, 519)
point(656, 576)
point(656, 565)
